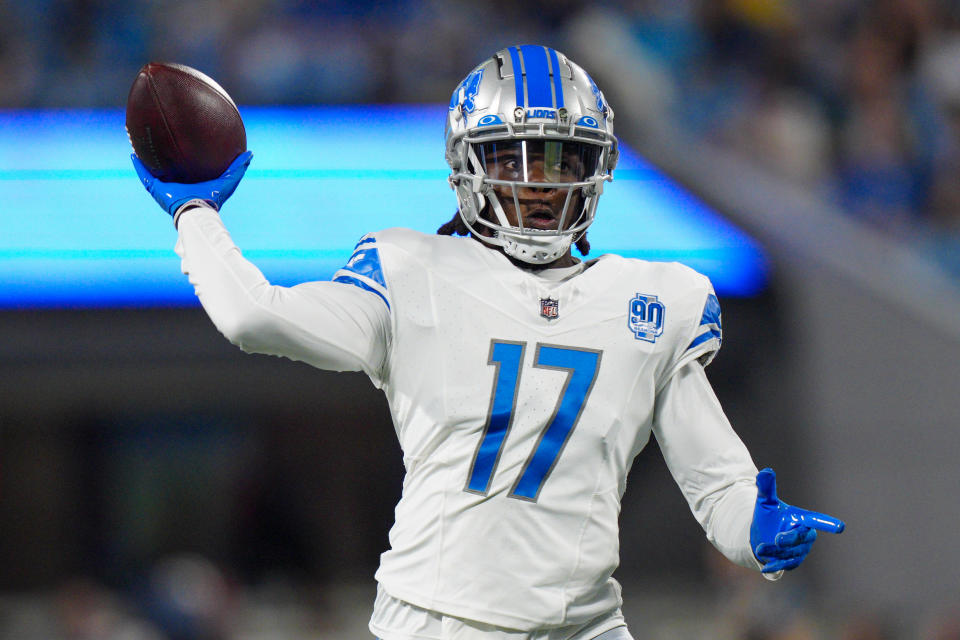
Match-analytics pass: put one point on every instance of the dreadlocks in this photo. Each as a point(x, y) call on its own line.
point(456, 226)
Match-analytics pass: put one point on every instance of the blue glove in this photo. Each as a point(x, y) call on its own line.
point(171, 195)
point(781, 535)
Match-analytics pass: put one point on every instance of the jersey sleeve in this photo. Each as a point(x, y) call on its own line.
point(365, 270)
point(702, 331)
point(339, 326)
point(708, 461)
point(708, 334)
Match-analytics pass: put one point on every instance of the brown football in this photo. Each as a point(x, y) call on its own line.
point(183, 126)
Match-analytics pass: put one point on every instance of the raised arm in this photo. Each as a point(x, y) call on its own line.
point(329, 325)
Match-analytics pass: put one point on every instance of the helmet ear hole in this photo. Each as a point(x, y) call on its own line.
point(471, 203)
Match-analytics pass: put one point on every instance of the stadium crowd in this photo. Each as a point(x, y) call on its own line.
point(858, 100)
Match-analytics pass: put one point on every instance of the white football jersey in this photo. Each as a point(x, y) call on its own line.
point(520, 404)
point(520, 400)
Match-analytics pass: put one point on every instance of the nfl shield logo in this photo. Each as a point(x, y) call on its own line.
point(549, 308)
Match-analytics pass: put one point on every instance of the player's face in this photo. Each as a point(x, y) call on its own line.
point(533, 162)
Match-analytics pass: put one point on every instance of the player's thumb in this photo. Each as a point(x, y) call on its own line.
point(146, 178)
point(767, 487)
point(240, 163)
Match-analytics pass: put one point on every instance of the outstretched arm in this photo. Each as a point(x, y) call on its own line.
point(737, 507)
point(708, 461)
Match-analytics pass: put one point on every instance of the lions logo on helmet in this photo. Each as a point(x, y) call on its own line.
point(528, 99)
point(464, 94)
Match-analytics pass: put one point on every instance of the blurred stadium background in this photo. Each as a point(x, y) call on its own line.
point(157, 483)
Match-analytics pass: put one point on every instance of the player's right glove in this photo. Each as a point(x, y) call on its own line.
point(172, 195)
point(781, 535)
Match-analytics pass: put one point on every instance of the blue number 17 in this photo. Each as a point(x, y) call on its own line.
point(581, 367)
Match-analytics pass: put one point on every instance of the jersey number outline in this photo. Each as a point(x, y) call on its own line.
point(507, 356)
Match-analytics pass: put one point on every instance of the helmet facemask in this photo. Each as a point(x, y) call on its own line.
point(531, 196)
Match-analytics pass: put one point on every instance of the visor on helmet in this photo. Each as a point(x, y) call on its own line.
point(538, 161)
point(511, 168)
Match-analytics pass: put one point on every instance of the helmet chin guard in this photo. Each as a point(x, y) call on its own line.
point(538, 250)
point(529, 121)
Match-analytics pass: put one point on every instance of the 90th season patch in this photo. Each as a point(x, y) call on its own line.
point(645, 317)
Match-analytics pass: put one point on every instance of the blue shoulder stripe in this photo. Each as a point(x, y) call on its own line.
point(710, 323)
point(363, 285)
point(364, 264)
point(703, 337)
point(711, 311)
point(368, 239)
point(365, 261)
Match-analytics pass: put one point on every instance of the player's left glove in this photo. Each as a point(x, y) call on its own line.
point(172, 195)
point(781, 535)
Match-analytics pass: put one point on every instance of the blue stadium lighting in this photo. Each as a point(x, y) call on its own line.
point(79, 230)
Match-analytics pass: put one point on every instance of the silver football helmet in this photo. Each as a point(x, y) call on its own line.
point(525, 125)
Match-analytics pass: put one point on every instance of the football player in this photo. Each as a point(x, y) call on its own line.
point(522, 381)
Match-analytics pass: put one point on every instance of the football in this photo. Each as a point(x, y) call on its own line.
point(183, 126)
